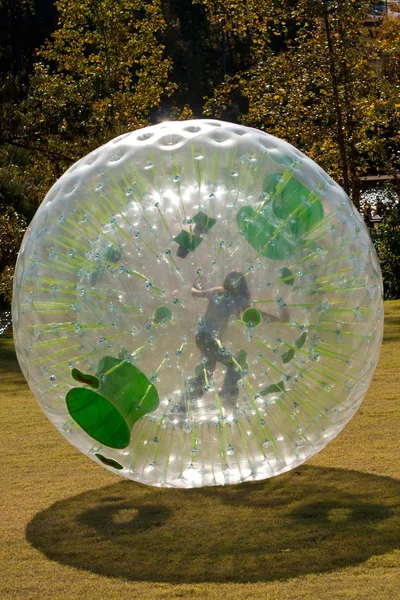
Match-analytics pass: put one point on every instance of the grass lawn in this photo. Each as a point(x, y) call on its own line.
point(328, 530)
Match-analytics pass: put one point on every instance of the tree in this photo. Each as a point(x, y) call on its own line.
point(102, 73)
point(386, 239)
point(24, 24)
point(388, 48)
point(12, 228)
point(192, 44)
point(320, 92)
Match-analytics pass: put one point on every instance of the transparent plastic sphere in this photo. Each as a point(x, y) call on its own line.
point(197, 303)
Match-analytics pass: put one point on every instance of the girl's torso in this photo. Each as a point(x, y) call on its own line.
point(221, 306)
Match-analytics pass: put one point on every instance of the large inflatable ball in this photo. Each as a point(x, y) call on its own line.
point(197, 303)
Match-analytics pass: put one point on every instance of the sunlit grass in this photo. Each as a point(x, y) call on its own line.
point(330, 529)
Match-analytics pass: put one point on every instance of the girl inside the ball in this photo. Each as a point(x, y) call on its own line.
point(225, 302)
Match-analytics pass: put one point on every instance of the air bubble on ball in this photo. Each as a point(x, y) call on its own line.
point(192, 128)
point(145, 136)
point(171, 140)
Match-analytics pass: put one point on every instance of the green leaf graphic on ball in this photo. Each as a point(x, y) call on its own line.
point(278, 229)
point(124, 395)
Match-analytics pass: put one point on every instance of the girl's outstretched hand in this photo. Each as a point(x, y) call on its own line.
point(200, 283)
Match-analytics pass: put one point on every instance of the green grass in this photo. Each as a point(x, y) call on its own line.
point(328, 530)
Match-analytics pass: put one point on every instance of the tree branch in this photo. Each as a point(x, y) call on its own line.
point(48, 153)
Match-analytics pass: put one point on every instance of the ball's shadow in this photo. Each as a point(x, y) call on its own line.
point(307, 521)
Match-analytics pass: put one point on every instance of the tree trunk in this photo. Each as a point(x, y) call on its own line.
point(339, 117)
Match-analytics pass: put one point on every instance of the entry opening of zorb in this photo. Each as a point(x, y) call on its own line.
point(197, 303)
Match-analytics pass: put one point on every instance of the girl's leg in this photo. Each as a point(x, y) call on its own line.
point(205, 370)
point(233, 374)
point(230, 387)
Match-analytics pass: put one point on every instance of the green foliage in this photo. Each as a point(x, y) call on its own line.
point(320, 93)
point(192, 44)
point(386, 240)
point(103, 72)
point(303, 71)
point(24, 25)
point(12, 227)
point(105, 61)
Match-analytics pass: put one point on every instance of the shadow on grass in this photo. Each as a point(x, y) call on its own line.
point(307, 521)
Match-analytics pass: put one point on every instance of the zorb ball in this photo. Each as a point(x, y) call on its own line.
point(197, 303)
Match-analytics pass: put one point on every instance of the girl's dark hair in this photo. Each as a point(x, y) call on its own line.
point(235, 283)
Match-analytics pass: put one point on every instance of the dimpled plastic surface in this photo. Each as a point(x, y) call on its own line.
point(140, 352)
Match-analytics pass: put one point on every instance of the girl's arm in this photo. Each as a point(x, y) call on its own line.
point(198, 290)
point(282, 318)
